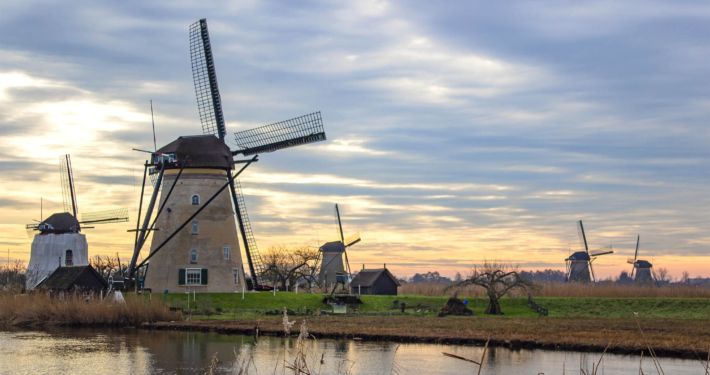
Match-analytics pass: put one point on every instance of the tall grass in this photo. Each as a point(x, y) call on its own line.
point(605, 290)
point(39, 309)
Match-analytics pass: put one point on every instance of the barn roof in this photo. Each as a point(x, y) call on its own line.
point(202, 151)
point(62, 222)
point(64, 278)
point(367, 278)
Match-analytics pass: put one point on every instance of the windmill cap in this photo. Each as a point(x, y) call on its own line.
point(202, 151)
point(580, 255)
point(333, 247)
point(62, 222)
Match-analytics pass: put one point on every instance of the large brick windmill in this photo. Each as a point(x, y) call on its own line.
point(579, 264)
point(195, 243)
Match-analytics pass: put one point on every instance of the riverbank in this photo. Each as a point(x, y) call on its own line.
point(40, 309)
point(675, 338)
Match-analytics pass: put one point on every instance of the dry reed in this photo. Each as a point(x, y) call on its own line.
point(39, 309)
point(601, 290)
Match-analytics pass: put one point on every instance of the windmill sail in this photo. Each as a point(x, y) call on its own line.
point(67, 181)
point(256, 266)
point(105, 217)
point(582, 237)
point(353, 239)
point(290, 133)
point(209, 102)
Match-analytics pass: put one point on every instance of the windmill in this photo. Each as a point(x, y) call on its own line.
point(642, 271)
point(579, 264)
point(207, 257)
point(333, 252)
point(67, 246)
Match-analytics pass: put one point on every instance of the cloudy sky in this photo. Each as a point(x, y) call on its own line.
point(457, 131)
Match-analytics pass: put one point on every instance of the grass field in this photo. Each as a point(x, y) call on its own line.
point(255, 303)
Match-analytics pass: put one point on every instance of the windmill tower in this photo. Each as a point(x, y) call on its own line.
point(579, 264)
point(60, 241)
point(195, 242)
point(333, 253)
point(642, 271)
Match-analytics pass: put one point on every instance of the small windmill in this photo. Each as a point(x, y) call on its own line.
point(66, 178)
point(642, 271)
point(66, 246)
point(333, 253)
point(211, 161)
point(579, 264)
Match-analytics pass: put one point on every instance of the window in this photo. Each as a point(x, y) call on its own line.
point(236, 276)
point(193, 276)
point(226, 252)
point(193, 256)
point(195, 227)
point(69, 258)
point(195, 199)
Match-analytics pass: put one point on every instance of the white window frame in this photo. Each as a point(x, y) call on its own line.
point(226, 251)
point(192, 199)
point(188, 273)
point(194, 227)
point(194, 251)
point(236, 276)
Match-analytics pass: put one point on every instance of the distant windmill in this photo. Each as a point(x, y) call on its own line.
point(66, 246)
point(642, 271)
point(333, 252)
point(579, 264)
point(207, 253)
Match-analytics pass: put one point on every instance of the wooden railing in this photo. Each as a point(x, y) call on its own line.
point(541, 310)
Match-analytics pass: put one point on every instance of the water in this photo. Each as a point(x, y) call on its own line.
point(134, 351)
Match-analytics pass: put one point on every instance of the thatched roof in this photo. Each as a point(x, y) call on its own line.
point(62, 222)
point(202, 151)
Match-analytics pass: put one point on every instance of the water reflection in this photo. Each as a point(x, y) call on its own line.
point(132, 351)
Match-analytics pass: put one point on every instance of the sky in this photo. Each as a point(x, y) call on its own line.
point(457, 131)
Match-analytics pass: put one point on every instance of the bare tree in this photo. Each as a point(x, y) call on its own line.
point(662, 274)
point(685, 278)
point(286, 265)
point(498, 278)
point(13, 276)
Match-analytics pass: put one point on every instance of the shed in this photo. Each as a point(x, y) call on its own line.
point(374, 281)
point(69, 279)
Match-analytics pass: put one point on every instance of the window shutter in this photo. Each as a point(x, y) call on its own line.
point(181, 276)
point(204, 276)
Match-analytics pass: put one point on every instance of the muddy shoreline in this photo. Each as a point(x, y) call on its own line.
point(670, 339)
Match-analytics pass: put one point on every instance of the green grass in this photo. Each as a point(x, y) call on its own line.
point(254, 304)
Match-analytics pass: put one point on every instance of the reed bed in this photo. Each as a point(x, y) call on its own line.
point(601, 290)
point(40, 309)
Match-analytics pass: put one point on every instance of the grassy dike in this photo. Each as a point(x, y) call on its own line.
point(232, 305)
point(673, 327)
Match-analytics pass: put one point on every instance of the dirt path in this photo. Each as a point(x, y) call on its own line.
point(668, 337)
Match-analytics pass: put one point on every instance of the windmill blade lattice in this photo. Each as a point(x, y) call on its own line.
point(582, 236)
point(209, 102)
point(67, 181)
point(105, 217)
point(290, 133)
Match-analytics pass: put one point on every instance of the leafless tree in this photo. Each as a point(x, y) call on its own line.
point(286, 265)
point(662, 274)
point(13, 276)
point(108, 265)
point(498, 278)
point(685, 278)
